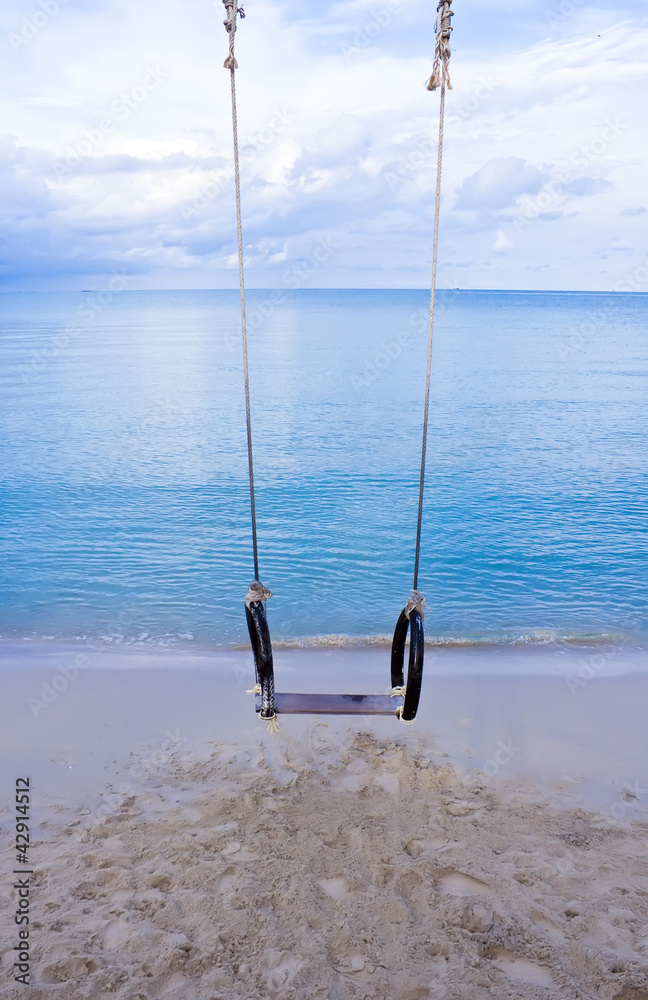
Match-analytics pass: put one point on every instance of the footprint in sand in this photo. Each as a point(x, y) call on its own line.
point(415, 847)
point(118, 896)
point(284, 972)
point(460, 884)
point(521, 969)
point(115, 934)
point(161, 882)
point(226, 880)
point(547, 924)
point(338, 888)
point(350, 964)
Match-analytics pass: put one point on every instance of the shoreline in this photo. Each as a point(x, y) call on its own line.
point(513, 638)
point(615, 653)
point(571, 719)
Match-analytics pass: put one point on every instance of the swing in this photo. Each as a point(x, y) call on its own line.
point(404, 698)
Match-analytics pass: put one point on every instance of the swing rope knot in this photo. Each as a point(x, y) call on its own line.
point(230, 26)
point(399, 716)
point(440, 74)
point(257, 592)
point(416, 602)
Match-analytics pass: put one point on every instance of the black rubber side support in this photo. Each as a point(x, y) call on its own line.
point(413, 624)
point(262, 651)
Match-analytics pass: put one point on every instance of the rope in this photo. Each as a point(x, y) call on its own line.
point(231, 11)
point(399, 715)
point(257, 592)
point(440, 76)
point(231, 64)
point(416, 602)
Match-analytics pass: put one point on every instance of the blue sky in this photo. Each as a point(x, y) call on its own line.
point(115, 152)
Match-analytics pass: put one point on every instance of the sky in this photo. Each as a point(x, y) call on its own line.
point(116, 145)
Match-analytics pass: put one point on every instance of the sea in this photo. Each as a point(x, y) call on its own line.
point(124, 496)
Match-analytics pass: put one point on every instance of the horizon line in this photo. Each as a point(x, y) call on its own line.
point(331, 288)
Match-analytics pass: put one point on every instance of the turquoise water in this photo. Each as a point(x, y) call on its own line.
point(124, 506)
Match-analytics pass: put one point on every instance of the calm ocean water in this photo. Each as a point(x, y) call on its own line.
point(124, 506)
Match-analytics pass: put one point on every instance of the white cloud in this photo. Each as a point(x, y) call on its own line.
point(498, 184)
point(582, 187)
point(502, 242)
point(332, 147)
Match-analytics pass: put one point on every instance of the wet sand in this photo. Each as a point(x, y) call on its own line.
point(497, 848)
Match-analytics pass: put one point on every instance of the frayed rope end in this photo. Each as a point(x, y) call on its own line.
point(434, 83)
point(440, 76)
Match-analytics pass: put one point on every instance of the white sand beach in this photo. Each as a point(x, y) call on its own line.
point(497, 848)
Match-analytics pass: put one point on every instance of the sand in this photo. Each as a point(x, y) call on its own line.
point(331, 860)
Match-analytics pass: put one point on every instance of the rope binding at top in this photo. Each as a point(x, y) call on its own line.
point(230, 27)
point(416, 602)
point(440, 75)
point(257, 592)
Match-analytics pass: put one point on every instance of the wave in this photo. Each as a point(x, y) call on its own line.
point(533, 637)
point(205, 644)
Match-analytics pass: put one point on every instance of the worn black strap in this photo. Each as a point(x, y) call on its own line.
point(262, 650)
point(414, 625)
